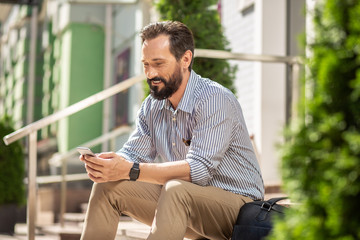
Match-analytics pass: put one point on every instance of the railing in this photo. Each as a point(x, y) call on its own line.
point(293, 62)
point(31, 129)
point(61, 160)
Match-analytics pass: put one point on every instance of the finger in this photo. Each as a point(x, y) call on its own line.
point(94, 160)
point(93, 171)
point(107, 155)
point(94, 165)
point(95, 179)
point(81, 157)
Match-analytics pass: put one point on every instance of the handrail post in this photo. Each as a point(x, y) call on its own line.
point(63, 192)
point(295, 91)
point(32, 172)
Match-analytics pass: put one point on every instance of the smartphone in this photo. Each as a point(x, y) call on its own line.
point(85, 151)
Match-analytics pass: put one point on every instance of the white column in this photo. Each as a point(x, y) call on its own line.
point(270, 95)
point(107, 73)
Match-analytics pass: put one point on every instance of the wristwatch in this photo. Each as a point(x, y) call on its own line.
point(134, 172)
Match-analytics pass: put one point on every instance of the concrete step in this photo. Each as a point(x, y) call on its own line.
point(21, 234)
point(74, 217)
point(128, 229)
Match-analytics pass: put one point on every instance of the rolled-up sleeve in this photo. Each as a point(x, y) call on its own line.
point(211, 137)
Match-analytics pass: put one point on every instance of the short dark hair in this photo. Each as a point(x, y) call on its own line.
point(180, 37)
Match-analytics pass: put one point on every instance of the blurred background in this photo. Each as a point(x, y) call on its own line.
point(54, 53)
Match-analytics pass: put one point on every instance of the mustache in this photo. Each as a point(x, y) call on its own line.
point(156, 79)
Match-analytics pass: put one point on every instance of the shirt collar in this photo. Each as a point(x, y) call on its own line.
point(187, 101)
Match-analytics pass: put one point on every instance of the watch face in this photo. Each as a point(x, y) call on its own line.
point(134, 172)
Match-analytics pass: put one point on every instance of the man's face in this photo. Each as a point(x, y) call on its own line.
point(163, 72)
point(171, 85)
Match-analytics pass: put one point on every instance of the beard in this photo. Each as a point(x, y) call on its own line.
point(170, 86)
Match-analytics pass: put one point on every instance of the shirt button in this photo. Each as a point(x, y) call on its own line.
point(173, 144)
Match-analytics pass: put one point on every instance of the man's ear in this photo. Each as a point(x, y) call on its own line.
point(186, 59)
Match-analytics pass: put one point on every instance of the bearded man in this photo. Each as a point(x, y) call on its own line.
point(196, 126)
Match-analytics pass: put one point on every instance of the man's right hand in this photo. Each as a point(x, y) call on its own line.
point(106, 167)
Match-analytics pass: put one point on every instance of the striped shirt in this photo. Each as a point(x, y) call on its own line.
point(207, 130)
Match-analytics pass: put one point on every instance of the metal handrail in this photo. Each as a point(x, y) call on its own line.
point(59, 178)
point(294, 62)
point(98, 97)
point(222, 54)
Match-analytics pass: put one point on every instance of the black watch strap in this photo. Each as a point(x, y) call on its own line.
point(134, 172)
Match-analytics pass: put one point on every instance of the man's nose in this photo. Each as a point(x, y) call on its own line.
point(151, 73)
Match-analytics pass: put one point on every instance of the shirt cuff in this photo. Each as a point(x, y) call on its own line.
point(126, 156)
point(199, 172)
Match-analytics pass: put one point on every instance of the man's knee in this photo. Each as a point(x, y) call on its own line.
point(102, 188)
point(175, 185)
point(107, 190)
point(177, 190)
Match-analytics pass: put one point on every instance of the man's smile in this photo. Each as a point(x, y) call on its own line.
point(156, 82)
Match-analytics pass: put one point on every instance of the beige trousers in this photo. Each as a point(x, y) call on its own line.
point(176, 210)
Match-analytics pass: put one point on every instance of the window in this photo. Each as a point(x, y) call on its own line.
point(122, 72)
point(245, 4)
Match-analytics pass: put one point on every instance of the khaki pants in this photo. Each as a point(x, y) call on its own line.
point(176, 210)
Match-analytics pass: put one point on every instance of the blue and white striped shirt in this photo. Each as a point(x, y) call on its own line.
point(210, 119)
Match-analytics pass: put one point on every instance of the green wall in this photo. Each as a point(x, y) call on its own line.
point(81, 75)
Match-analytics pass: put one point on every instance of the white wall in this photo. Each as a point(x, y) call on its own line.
point(260, 29)
point(270, 80)
point(239, 30)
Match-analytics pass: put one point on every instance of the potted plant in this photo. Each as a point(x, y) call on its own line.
point(12, 187)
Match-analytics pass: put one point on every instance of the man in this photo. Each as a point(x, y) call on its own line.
point(196, 126)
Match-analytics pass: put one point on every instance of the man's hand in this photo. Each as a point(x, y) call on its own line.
point(106, 167)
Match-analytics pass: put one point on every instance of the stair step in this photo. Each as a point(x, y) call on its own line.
point(56, 229)
point(74, 217)
point(128, 228)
